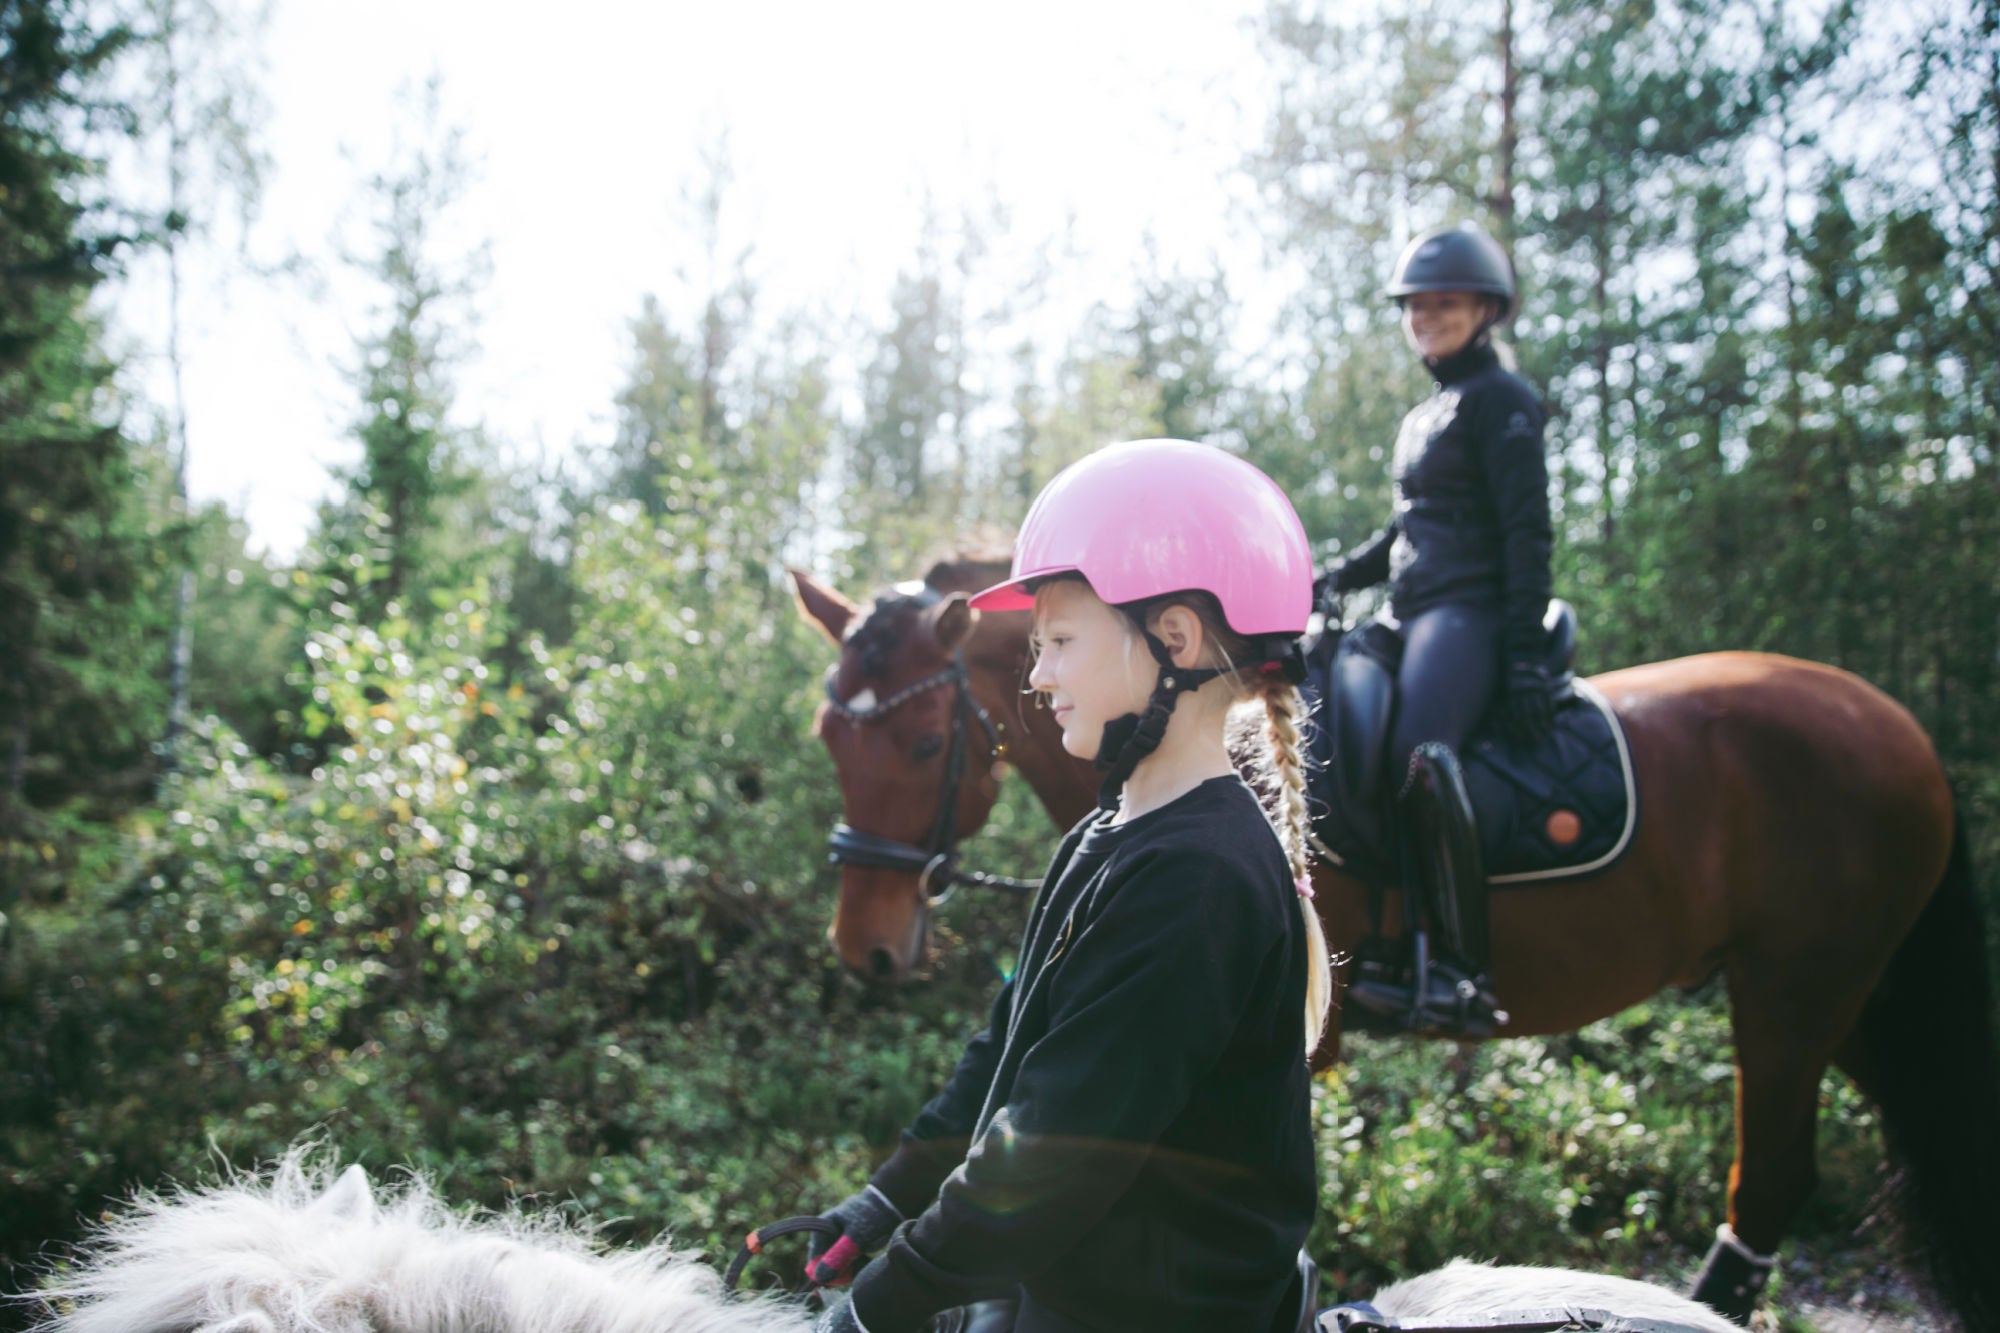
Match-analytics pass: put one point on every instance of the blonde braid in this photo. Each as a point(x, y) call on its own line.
point(1285, 802)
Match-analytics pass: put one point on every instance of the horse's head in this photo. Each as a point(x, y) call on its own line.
point(917, 756)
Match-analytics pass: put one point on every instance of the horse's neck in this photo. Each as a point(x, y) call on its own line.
point(1065, 785)
point(967, 573)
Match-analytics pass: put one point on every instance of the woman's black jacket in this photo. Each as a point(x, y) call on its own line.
point(1471, 520)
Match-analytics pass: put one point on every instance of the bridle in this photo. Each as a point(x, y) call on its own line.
point(935, 863)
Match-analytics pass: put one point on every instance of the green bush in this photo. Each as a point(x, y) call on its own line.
point(1608, 1149)
point(562, 936)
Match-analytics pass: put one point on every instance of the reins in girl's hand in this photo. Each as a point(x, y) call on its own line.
point(754, 1243)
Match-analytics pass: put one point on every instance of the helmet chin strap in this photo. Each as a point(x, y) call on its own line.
point(1129, 739)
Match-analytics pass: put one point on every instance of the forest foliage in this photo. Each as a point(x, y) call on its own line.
point(496, 846)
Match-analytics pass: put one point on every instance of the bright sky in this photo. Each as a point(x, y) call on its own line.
point(1118, 119)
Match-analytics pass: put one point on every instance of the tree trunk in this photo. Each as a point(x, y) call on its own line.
point(181, 657)
point(1601, 360)
point(1502, 200)
point(17, 759)
point(179, 667)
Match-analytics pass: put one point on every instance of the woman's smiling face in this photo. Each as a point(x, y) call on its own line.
point(1439, 324)
point(1085, 666)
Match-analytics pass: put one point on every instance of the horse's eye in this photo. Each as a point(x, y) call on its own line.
point(927, 748)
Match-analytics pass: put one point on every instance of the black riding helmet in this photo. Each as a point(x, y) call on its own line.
point(1454, 259)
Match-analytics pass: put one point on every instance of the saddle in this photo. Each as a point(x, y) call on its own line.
point(1564, 807)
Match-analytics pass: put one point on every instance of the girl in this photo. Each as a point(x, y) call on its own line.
point(1128, 1144)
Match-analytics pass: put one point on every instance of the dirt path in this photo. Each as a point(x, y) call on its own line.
point(1851, 1291)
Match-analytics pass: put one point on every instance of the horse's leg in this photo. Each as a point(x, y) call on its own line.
point(1787, 1020)
point(1831, 818)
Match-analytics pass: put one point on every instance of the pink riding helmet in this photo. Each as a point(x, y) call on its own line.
point(1159, 516)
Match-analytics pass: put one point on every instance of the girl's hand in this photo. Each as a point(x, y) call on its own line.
point(866, 1219)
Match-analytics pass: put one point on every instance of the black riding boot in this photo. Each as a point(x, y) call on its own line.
point(1442, 986)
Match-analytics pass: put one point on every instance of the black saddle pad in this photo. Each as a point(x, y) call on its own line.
point(1565, 807)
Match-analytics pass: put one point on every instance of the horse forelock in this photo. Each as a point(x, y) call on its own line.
point(875, 636)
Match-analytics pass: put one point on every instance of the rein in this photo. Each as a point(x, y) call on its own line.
point(1361, 1317)
point(935, 863)
point(754, 1243)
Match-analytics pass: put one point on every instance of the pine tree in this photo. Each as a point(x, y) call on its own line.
point(382, 541)
point(1387, 124)
point(905, 464)
point(659, 416)
point(77, 631)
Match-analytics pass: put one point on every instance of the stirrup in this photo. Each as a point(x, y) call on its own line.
point(1431, 997)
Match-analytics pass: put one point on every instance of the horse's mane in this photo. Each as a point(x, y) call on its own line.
point(1462, 1286)
point(306, 1248)
point(969, 571)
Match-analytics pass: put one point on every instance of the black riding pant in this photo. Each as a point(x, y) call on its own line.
point(1450, 672)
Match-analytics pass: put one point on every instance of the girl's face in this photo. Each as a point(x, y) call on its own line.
point(1085, 666)
point(1440, 324)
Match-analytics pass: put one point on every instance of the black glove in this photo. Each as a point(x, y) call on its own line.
point(839, 1318)
point(1527, 711)
point(866, 1219)
point(1327, 588)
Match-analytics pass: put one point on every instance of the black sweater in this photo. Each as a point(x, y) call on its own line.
point(1128, 1143)
point(1471, 522)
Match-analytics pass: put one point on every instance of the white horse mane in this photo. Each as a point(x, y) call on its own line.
point(307, 1248)
point(1462, 1286)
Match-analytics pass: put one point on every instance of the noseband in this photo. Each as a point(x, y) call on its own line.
point(935, 863)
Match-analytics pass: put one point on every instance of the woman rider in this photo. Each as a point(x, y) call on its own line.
point(1466, 549)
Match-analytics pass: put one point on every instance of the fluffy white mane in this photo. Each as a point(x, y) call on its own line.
point(306, 1248)
point(1461, 1287)
point(301, 1250)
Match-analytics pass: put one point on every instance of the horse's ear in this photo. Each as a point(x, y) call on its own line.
point(951, 621)
point(821, 605)
point(347, 1198)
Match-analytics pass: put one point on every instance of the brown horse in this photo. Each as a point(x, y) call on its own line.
point(1796, 834)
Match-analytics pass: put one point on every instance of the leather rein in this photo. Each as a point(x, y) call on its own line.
point(935, 864)
point(1362, 1317)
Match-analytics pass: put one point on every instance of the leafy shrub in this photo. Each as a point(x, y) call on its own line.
point(562, 935)
point(1608, 1149)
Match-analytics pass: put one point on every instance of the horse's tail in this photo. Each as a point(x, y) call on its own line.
point(1926, 1042)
